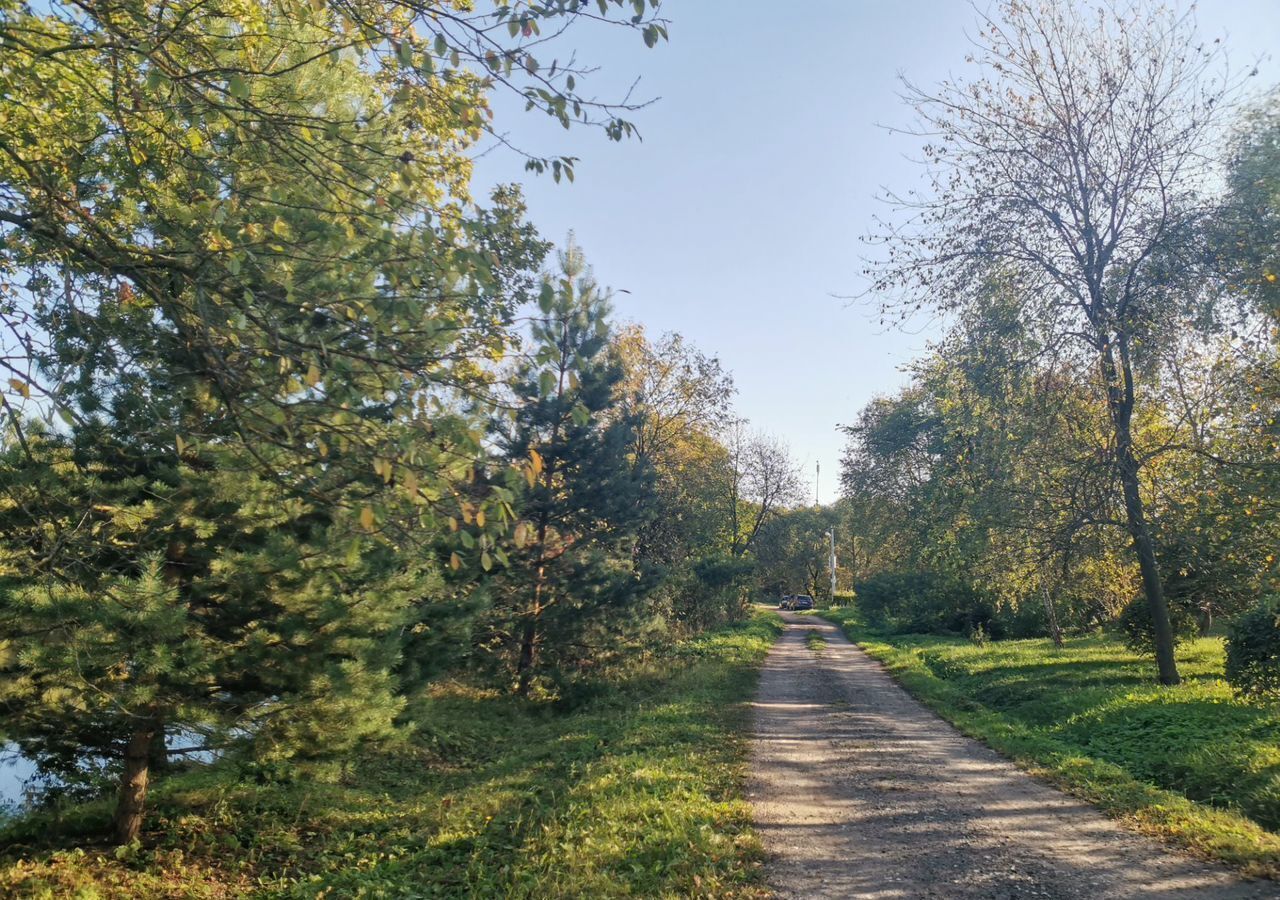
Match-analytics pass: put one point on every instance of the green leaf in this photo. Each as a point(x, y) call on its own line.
point(546, 383)
point(238, 87)
point(546, 297)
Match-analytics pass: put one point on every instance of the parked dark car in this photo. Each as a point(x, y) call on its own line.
point(801, 602)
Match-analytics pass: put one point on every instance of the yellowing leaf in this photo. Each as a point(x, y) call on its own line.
point(479, 518)
point(366, 518)
point(20, 386)
point(455, 561)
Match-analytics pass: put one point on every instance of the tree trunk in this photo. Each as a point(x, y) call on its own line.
point(529, 634)
point(1051, 613)
point(1145, 547)
point(528, 656)
point(1120, 401)
point(127, 822)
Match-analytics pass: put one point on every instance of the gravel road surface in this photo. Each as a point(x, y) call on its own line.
point(860, 791)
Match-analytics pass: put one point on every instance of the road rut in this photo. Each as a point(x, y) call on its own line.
point(860, 791)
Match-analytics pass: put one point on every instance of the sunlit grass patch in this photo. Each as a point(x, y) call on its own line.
point(816, 641)
point(636, 792)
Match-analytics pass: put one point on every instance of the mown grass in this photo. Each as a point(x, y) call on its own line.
point(1193, 764)
point(635, 792)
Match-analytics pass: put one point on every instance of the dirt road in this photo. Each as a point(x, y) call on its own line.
point(859, 791)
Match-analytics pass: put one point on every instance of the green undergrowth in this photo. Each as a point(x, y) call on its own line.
point(1193, 763)
point(634, 792)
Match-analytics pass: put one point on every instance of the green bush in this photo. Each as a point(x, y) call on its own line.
point(1139, 629)
point(1253, 650)
point(1025, 619)
point(924, 603)
point(844, 598)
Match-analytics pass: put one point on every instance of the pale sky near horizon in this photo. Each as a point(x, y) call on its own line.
point(736, 220)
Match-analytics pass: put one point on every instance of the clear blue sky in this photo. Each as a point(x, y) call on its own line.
point(737, 218)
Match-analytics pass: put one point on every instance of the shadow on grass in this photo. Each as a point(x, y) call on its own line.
point(634, 791)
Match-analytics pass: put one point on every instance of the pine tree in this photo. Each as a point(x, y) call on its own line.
point(255, 378)
point(165, 596)
point(243, 266)
point(573, 584)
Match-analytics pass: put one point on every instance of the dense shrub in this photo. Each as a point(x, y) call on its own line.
point(1253, 650)
point(1139, 629)
point(925, 602)
point(709, 592)
point(1025, 619)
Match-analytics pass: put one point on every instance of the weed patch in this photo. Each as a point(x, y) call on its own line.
point(816, 641)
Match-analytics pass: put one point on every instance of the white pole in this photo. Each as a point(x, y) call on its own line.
point(832, 535)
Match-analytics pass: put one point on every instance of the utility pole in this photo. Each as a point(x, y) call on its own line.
point(832, 534)
point(817, 483)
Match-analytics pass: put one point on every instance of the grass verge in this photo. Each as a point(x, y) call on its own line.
point(1191, 764)
point(635, 792)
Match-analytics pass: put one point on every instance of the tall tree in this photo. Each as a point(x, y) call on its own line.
point(1072, 169)
point(165, 596)
point(1245, 450)
point(763, 482)
point(679, 399)
point(573, 581)
point(236, 242)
